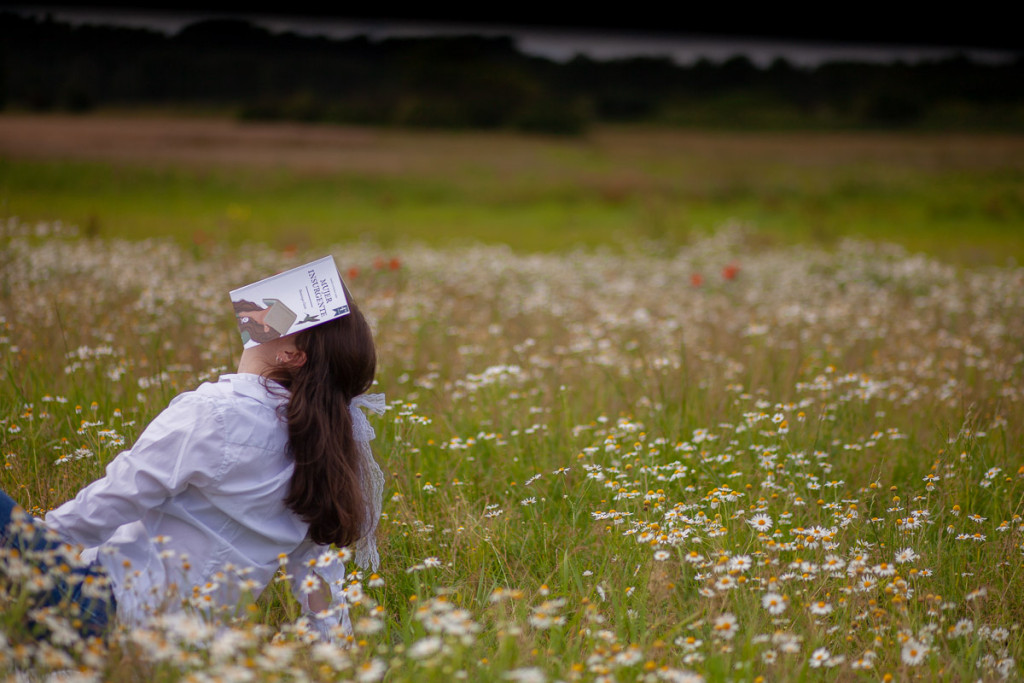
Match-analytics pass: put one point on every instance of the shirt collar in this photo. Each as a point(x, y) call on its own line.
point(255, 386)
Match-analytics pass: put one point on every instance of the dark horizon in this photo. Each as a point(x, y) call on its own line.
point(863, 29)
point(556, 41)
point(473, 80)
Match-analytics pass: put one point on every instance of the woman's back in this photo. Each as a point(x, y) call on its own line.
point(196, 508)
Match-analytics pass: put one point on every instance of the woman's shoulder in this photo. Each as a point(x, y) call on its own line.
point(246, 406)
point(239, 388)
point(234, 402)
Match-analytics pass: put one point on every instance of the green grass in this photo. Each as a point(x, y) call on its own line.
point(822, 387)
point(832, 379)
point(961, 199)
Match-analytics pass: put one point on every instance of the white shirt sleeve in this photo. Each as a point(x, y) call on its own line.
point(183, 446)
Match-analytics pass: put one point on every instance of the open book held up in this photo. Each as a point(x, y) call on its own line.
point(289, 302)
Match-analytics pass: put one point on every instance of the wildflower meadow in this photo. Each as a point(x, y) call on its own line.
point(721, 461)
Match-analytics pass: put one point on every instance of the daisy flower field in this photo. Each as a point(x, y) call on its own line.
point(729, 461)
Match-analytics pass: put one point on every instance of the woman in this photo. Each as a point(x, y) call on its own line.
point(267, 466)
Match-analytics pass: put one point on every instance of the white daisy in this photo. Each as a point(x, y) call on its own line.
point(726, 626)
point(774, 603)
point(820, 608)
point(913, 652)
point(906, 555)
point(819, 657)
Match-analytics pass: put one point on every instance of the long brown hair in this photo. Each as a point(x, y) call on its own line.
point(326, 490)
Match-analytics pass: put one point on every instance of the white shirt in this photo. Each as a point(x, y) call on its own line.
point(195, 510)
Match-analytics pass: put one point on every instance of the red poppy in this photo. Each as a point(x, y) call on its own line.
point(696, 279)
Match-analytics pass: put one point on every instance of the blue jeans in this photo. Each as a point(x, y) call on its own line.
point(96, 611)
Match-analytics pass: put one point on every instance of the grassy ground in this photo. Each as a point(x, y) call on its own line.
point(805, 465)
point(202, 180)
point(746, 454)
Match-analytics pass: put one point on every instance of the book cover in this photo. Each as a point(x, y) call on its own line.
point(289, 302)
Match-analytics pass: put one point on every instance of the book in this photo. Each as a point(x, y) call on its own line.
point(289, 302)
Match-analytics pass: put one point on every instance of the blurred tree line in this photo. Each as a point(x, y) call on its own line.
point(478, 82)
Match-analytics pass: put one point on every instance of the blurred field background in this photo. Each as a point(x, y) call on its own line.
point(201, 180)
